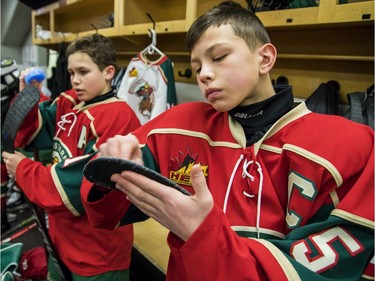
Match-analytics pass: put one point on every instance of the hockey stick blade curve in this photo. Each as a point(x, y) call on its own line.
point(100, 170)
point(20, 107)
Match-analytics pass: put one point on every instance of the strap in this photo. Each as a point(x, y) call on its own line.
point(369, 109)
point(355, 111)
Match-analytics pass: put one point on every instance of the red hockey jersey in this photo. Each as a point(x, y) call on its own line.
point(296, 205)
point(74, 130)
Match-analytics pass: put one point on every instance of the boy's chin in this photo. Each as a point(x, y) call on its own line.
point(221, 107)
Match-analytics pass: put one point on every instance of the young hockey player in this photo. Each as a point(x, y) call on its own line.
point(280, 192)
point(74, 125)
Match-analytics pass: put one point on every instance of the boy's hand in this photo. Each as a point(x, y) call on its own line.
point(33, 82)
point(12, 160)
point(126, 147)
point(179, 213)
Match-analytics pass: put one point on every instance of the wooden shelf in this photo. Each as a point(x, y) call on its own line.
point(291, 17)
point(325, 57)
point(315, 44)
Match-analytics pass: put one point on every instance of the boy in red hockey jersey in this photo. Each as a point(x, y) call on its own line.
point(74, 125)
point(280, 193)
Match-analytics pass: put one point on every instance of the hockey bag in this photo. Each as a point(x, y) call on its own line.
point(325, 99)
point(361, 107)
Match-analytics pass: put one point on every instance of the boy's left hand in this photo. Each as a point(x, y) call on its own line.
point(12, 160)
point(181, 214)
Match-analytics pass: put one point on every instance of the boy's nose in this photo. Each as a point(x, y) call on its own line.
point(75, 80)
point(206, 74)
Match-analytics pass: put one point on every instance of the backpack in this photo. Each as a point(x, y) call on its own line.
point(361, 107)
point(325, 99)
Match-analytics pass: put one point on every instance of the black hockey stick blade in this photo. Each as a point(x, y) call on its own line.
point(100, 170)
point(18, 110)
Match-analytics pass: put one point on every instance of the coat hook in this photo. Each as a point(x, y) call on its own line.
point(152, 20)
point(187, 73)
point(93, 25)
point(152, 46)
point(152, 34)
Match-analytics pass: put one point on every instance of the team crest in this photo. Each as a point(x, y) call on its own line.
point(60, 151)
point(145, 92)
point(180, 167)
point(133, 72)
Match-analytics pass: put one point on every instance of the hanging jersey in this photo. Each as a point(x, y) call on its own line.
point(148, 87)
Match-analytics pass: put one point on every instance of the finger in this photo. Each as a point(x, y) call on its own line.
point(137, 184)
point(199, 183)
point(142, 195)
point(19, 153)
point(5, 154)
point(102, 152)
point(126, 147)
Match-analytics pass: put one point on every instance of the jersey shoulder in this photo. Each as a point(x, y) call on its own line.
point(192, 118)
point(331, 134)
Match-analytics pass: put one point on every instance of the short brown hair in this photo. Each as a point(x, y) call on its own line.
point(244, 23)
point(98, 47)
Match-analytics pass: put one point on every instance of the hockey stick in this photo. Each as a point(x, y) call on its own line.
point(100, 170)
point(19, 233)
point(18, 226)
point(20, 107)
point(22, 104)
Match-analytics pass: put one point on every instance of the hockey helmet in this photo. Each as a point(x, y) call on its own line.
point(9, 78)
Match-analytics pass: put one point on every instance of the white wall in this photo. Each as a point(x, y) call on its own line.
point(16, 38)
point(188, 92)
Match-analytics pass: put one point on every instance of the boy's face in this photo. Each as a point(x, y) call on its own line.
point(87, 79)
point(228, 73)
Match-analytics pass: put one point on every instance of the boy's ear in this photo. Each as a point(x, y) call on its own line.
point(268, 53)
point(110, 72)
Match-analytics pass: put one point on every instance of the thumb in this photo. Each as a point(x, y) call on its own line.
point(199, 182)
point(19, 153)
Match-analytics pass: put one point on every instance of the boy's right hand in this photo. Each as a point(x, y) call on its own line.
point(126, 147)
point(34, 82)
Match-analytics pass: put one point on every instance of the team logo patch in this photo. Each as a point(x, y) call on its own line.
point(145, 93)
point(180, 167)
point(60, 152)
point(133, 72)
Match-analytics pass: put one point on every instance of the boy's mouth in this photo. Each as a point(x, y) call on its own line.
point(211, 92)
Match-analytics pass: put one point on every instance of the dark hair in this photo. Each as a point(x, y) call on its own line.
point(244, 23)
point(98, 47)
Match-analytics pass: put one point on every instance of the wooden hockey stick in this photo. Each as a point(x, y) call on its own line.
point(22, 104)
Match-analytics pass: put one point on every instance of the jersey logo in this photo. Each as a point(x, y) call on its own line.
point(180, 167)
point(60, 152)
point(145, 92)
point(133, 72)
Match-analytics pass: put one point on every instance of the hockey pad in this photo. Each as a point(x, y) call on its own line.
point(100, 170)
point(18, 110)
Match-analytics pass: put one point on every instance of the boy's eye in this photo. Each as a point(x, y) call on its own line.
point(220, 58)
point(83, 72)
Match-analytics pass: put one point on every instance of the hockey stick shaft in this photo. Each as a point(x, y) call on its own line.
point(19, 233)
point(23, 103)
